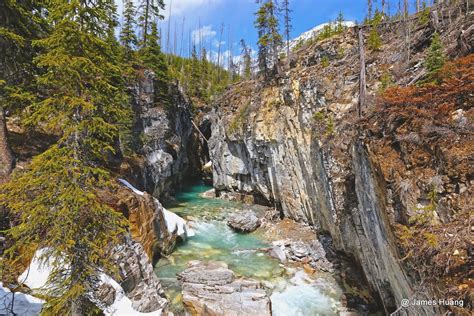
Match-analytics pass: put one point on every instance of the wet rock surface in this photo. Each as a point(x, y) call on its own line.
point(212, 289)
point(245, 221)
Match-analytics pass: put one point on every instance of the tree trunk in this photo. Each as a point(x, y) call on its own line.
point(362, 81)
point(6, 156)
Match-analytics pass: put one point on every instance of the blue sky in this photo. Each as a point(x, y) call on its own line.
point(238, 18)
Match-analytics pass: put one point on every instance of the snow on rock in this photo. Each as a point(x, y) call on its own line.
point(173, 221)
point(23, 304)
point(131, 187)
point(176, 223)
point(122, 305)
point(315, 31)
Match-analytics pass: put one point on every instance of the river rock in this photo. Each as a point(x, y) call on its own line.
point(210, 288)
point(245, 221)
point(209, 194)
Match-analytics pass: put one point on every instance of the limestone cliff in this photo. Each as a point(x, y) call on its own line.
point(163, 136)
point(297, 143)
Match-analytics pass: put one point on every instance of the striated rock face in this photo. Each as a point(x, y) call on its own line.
point(147, 222)
point(296, 145)
point(244, 221)
point(164, 137)
point(212, 289)
point(139, 282)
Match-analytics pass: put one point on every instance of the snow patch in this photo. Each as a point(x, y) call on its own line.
point(23, 304)
point(173, 221)
point(131, 187)
point(36, 276)
point(315, 31)
point(122, 305)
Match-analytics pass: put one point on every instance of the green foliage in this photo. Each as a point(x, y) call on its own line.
point(325, 61)
point(200, 78)
point(239, 119)
point(424, 15)
point(340, 52)
point(152, 58)
point(374, 41)
point(128, 37)
point(56, 197)
point(435, 59)
point(386, 81)
point(326, 121)
point(425, 214)
point(269, 38)
point(20, 23)
point(318, 116)
point(149, 11)
point(329, 126)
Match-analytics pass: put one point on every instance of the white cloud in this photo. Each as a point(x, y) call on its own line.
point(202, 34)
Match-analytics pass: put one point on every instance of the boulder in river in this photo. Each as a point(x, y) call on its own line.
point(210, 288)
point(245, 221)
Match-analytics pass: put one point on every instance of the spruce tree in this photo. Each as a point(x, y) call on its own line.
point(20, 23)
point(56, 197)
point(435, 59)
point(128, 38)
point(148, 11)
point(154, 59)
point(270, 40)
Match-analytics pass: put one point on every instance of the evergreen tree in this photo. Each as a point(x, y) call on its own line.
point(270, 40)
point(148, 11)
point(435, 59)
point(56, 198)
point(153, 58)
point(128, 38)
point(20, 23)
point(339, 23)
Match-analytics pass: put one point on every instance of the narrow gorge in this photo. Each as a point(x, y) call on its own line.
point(291, 195)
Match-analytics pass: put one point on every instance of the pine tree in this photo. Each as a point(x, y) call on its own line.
point(270, 40)
point(154, 59)
point(128, 38)
point(56, 197)
point(148, 11)
point(435, 59)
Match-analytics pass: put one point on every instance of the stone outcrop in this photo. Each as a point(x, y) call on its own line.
point(244, 221)
point(312, 253)
point(212, 289)
point(163, 135)
point(147, 222)
point(296, 145)
point(139, 281)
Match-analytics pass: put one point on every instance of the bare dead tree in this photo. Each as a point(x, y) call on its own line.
point(362, 75)
point(219, 52)
point(169, 28)
point(182, 38)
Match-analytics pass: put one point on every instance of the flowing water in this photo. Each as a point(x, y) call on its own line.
point(292, 291)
